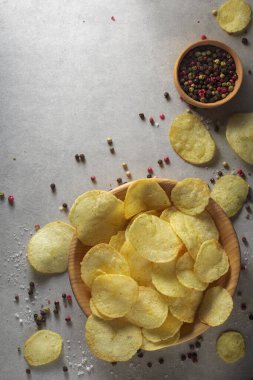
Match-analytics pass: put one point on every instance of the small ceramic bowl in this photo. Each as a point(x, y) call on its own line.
point(228, 239)
point(239, 71)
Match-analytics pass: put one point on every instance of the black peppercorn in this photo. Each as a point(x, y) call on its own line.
point(161, 360)
point(112, 150)
point(77, 157)
point(16, 297)
point(65, 368)
point(251, 316)
point(212, 180)
point(30, 292)
point(149, 364)
point(28, 371)
point(64, 296)
point(64, 205)
point(245, 41)
point(114, 363)
point(82, 157)
point(119, 180)
point(166, 95)
point(149, 175)
point(160, 162)
point(197, 344)
point(142, 116)
point(53, 186)
point(191, 346)
point(32, 285)
point(183, 357)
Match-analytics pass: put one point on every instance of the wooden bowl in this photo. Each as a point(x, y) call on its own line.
point(239, 71)
point(228, 239)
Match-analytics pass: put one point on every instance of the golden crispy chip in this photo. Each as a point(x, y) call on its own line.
point(185, 273)
point(191, 195)
point(102, 258)
point(154, 239)
point(95, 311)
point(140, 268)
point(151, 346)
point(230, 192)
point(191, 140)
point(114, 294)
point(150, 310)
point(113, 341)
point(48, 249)
point(165, 280)
point(42, 347)
point(97, 216)
point(117, 240)
point(230, 346)
point(211, 262)
point(143, 195)
point(216, 307)
point(239, 134)
point(194, 230)
point(150, 212)
point(184, 308)
point(168, 329)
point(234, 16)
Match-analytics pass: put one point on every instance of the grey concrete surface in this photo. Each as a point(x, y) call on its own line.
point(70, 77)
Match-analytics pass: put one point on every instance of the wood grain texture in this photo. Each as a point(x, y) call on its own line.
point(239, 70)
point(228, 239)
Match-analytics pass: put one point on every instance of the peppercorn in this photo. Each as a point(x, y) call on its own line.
point(16, 297)
point(10, 199)
point(166, 160)
point(220, 174)
point(68, 319)
point(160, 162)
point(43, 313)
point(244, 240)
point(30, 292)
point(212, 180)
point(243, 267)
point(239, 293)
point(53, 187)
point(149, 175)
point(140, 354)
point(161, 360)
point(65, 368)
point(225, 164)
point(109, 141)
point(251, 316)
point(183, 357)
point(57, 304)
point(166, 95)
point(162, 116)
point(1, 195)
point(142, 116)
point(82, 157)
point(149, 364)
point(197, 344)
point(119, 180)
point(112, 150)
point(243, 306)
point(249, 72)
point(245, 41)
point(77, 157)
point(56, 311)
point(124, 165)
point(249, 209)
point(63, 296)
point(93, 178)
point(28, 371)
point(189, 355)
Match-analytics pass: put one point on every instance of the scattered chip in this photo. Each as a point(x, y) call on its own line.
point(95, 311)
point(230, 346)
point(143, 195)
point(117, 240)
point(191, 140)
point(154, 239)
point(113, 341)
point(167, 330)
point(194, 230)
point(211, 262)
point(150, 310)
point(114, 294)
point(239, 134)
point(151, 346)
point(140, 268)
point(191, 195)
point(216, 307)
point(102, 258)
point(97, 215)
point(48, 249)
point(184, 308)
point(230, 192)
point(165, 280)
point(186, 275)
point(234, 16)
point(42, 347)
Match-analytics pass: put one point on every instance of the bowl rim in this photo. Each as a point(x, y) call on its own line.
point(201, 327)
point(239, 69)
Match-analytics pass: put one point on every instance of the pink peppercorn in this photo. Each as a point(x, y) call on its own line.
point(11, 198)
point(37, 227)
point(150, 170)
point(166, 160)
point(241, 173)
point(69, 298)
point(93, 178)
point(162, 116)
point(68, 319)
point(203, 37)
point(151, 120)
point(113, 18)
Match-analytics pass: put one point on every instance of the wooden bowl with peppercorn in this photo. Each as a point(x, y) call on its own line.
point(207, 74)
point(227, 238)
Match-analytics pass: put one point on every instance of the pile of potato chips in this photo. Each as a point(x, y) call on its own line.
point(152, 260)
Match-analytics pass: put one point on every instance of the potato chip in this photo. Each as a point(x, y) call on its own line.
point(191, 140)
point(191, 195)
point(194, 230)
point(95, 311)
point(165, 280)
point(102, 258)
point(216, 307)
point(234, 16)
point(113, 341)
point(42, 347)
point(150, 310)
point(117, 240)
point(97, 216)
point(211, 262)
point(150, 212)
point(140, 268)
point(143, 195)
point(239, 134)
point(168, 329)
point(151, 346)
point(230, 346)
point(114, 294)
point(230, 192)
point(185, 273)
point(184, 308)
point(48, 249)
point(154, 239)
